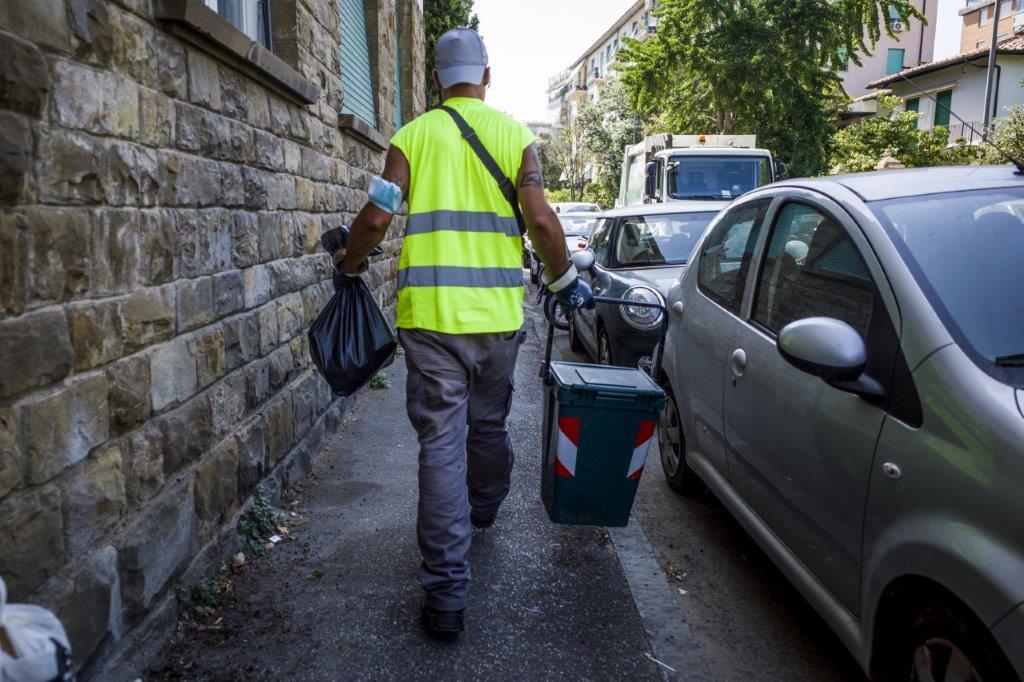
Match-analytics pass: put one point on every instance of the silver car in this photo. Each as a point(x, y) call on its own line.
point(846, 370)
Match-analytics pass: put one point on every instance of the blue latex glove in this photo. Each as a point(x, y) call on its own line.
point(571, 291)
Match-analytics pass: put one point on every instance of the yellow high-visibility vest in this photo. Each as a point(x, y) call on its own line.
point(460, 271)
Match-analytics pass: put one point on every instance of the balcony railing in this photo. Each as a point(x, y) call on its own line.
point(970, 133)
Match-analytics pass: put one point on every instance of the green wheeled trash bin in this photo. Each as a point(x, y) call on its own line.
point(599, 422)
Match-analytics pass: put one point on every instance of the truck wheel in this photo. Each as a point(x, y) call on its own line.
point(672, 445)
point(946, 643)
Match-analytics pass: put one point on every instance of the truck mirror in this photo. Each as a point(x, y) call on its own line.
point(651, 179)
point(781, 170)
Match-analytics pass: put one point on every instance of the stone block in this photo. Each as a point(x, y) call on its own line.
point(201, 131)
point(292, 157)
point(15, 243)
point(116, 252)
point(232, 185)
point(257, 104)
point(128, 393)
point(256, 281)
point(282, 365)
point(130, 175)
point(59, 264)
point(189, 180)
point(60, 427)
point(134, 48)
point(157, 118)
point(252, 454)
point(35, 350)
point(12, 466)
point(205, 241)
point(195, 303)
point(299, 346)
point(290, 315)
point(285, 276)
point(31, 539)
point(257, 383)
point(94, 100)
point(203, 80)
point(172, 371)
point(208, 348)
point(217, 484)
point(304, 399)
point(41, 21)
point(187, 432)
point(15, 157)
point(256, 187)
point(171, 67)
point(241, 340)
point(157, 547)
point(228, 293)
point(144, 464)
point(89, 604)
point(24, 80)
point(93, 498)
point(148, 316)
point(280, 192)
point(227, 404)
point(279, 417)
point(95, 331)
point(268, 327)
point(92, 31)
point(159, 247)
point(245, 240)
point(68, 168)
point(272, 243)
point(239, 145)
point(268, 151)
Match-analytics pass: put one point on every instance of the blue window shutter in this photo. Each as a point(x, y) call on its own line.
point(398, 67)
point(894, 62)
point(355, 63)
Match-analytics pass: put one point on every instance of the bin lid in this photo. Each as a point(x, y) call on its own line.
point(575, 376)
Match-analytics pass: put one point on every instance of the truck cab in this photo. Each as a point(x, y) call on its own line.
point(668, 168)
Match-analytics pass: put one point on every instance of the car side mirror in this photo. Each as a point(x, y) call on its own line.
point(650, 179)
point(831, 350)
point(583, 260)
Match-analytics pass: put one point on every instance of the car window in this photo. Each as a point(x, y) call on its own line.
point(812, 269)
point(598, 242)
point(665, 239)
point(576, 226)
point(725, 256)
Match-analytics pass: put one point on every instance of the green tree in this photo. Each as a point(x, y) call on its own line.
point(1008, 136)
point(860, 146)
point(440, 16)
point(757, 66)
point(605, 129)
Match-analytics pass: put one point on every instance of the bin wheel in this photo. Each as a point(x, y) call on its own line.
point(574, 338)
point(672, 444)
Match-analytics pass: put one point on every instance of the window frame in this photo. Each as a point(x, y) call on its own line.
point(611, 224)
point(944, 110)
point(889, 58)
point(372, 66)
point(768, 202)
point(262, 23)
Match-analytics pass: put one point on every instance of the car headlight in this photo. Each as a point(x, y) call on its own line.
point(642, 317)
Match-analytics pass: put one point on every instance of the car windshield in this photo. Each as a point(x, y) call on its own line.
point(580, 208)
point(660, 239)
point(576, 226)
point(711, 177)
point(964, 249)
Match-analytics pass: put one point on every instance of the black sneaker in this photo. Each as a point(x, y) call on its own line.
point(481, 521)
point(438, 622)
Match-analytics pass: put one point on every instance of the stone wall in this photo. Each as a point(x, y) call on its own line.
point(163, 185)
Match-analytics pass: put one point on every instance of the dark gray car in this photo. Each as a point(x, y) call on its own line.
point(637, 252)
point(846, 367)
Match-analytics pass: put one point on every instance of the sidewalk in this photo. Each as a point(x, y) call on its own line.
point(547, 601)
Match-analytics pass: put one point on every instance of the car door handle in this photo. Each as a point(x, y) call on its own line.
point(738, 362)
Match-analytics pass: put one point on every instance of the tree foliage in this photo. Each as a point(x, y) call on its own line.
point(604, 131)
point(754, 66)
point(440, 16)
point(860, 146)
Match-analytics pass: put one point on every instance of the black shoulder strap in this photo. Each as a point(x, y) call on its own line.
point(507, 187)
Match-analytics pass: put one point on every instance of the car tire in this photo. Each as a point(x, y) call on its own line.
point(672, 446)
point(575, 344)
point(945, 642)
point(604, 347)
point(555, 313)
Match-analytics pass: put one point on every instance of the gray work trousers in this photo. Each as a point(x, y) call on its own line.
point(459, 392)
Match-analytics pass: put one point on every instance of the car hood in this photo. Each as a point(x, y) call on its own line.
point(662, 278)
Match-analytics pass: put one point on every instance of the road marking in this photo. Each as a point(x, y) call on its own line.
point(673, 645)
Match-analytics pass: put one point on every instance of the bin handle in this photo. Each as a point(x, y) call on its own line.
point(659, 350)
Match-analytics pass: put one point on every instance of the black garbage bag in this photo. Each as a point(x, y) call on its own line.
point(351, 340)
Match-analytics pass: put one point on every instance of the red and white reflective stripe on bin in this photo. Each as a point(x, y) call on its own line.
point(569, 440)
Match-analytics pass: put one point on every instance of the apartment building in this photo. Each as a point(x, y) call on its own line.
point(913, 45)
point(978, 16)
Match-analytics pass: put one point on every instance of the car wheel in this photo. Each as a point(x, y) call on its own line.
point(946, 644)
point(574, 340)
point(672, 445)
point(555, 313)
point(604, 348)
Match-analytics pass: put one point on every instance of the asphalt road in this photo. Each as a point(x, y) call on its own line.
point(749, 622)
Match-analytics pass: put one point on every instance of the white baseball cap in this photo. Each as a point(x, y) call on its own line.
point(460, 57)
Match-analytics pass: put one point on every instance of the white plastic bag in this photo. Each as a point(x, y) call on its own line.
point(33, 645)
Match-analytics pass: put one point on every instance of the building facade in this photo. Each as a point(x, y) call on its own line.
point(166, 170)
point(978, 17)
point(913, 45)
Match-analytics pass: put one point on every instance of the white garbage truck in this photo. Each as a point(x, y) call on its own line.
point(667, 167)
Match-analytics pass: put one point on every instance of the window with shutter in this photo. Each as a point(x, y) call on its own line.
point(356, 82)
point(894, 62)
point(913, 104)
point(943, 104)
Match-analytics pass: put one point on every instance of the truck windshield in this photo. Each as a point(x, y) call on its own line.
point(716, 177)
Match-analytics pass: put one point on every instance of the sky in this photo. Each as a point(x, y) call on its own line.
point(531, 40)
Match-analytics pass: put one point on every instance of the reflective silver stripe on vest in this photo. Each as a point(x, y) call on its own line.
point(454, 276)
point(461, 221)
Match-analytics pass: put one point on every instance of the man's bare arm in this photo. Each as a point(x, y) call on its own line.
point(542, 224)
point(372, 223)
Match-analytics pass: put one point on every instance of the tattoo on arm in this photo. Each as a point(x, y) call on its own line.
point(532, 179)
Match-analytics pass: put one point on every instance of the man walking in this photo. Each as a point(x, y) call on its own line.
point(460, 296)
